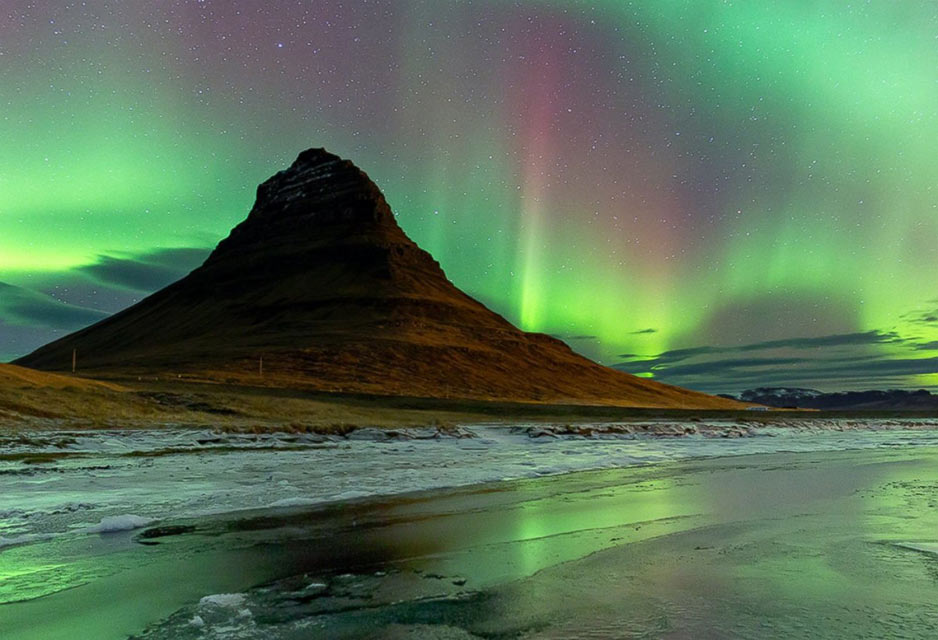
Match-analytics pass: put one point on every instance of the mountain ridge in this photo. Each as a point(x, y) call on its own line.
point(870, 400)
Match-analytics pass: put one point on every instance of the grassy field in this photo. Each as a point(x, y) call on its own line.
point(30, 399)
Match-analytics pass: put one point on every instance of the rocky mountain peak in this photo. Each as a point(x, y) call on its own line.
point(321, 199)
point(323, 188)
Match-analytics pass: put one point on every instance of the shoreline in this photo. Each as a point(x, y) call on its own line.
point(422, 427)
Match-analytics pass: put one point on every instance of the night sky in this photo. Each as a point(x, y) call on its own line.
point(719, 194)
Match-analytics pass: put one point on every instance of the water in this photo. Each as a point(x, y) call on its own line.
point(834, 539)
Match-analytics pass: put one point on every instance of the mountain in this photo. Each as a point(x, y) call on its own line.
point(319, 288)
point(891, 400)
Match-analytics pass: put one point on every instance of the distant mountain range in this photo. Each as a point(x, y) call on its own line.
point(320, 289)
point(874, 400)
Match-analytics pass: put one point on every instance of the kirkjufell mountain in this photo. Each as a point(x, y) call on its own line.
point(320, 289)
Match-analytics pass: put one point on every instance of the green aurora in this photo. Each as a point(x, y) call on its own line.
point(718, 194)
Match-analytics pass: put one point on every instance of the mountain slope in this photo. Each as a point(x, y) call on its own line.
point(320, 288)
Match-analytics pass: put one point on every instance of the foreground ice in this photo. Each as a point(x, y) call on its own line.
point(80, 483)
point(833, 533)
point(223, 600)
point(787, 546)
point(113, 524)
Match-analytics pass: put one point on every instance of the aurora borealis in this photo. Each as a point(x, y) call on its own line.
point(719, 194)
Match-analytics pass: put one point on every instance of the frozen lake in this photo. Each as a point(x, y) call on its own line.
point(182, 526)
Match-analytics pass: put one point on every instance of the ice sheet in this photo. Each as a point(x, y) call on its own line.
point(81, 483)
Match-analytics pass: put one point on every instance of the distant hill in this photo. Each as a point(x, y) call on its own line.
point(891, 400)
point(319, 288)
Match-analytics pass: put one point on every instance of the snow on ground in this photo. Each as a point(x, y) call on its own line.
point(114, 524)
point(91, 483)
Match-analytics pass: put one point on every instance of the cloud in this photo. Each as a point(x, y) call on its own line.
point(874, 372)
point(644, 331)
point(23, 307)
point(42, 307)
point(724, 366)
point(675, 355)
point(927, 317)
point(843, 359)
point(145, 272)
point(836, 340)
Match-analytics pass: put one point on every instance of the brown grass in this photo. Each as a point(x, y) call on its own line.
point(24, 378)
point(31, 400)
